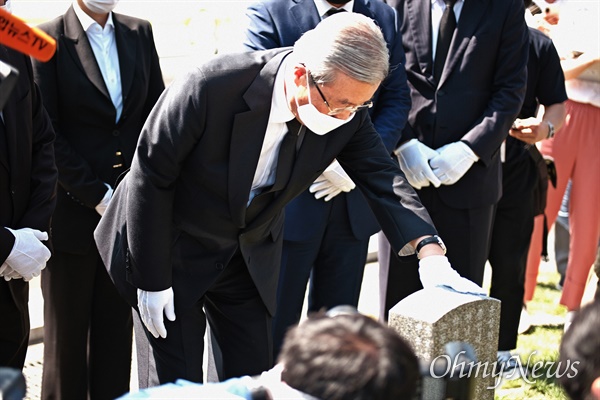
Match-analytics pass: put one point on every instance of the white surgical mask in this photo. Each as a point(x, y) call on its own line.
point(7, 7)
point(100, 6)
point(315, 120)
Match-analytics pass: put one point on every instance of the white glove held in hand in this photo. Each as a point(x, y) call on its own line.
point(414, 157)
point(453, 161)
point(436, 271)
point(28, 256)
point(152, 305)
point(101, 208)
point(332, 182)
point(8, 273)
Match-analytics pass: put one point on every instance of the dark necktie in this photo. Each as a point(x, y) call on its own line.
point(283, 171)
point(287, 155)
point(332, 11)
point(447, 27)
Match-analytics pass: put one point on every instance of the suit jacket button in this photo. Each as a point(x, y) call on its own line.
point(116, 133)
point(219, 266)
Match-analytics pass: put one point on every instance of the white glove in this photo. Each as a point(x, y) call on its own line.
point(101, 208)
point(414, 157)
point(152, 306)
point(28, 256)
point(8, 273)
point(453, 162)
point(332, 182)
point(436, 271)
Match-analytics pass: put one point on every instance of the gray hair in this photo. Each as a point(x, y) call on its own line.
point(346, 42)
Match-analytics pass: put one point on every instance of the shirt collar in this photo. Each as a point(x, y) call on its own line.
point(280, 110)
point(323, 6)
point(440, 3)
point(87, 21)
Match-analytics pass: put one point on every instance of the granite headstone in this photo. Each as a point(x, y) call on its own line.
point(431, 318)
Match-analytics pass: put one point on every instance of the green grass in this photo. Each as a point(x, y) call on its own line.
point(540, 344)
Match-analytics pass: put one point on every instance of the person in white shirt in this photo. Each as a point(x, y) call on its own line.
point(98, 89)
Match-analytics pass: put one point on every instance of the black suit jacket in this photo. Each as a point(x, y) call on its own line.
point(83, 115)
point(480, 91)
point(279, 23)
point(28, 179)
point(180, 214)
point(27, 171)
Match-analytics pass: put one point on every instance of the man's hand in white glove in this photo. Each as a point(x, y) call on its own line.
point(101, 207)
point(332, 182)
point(28, 256)
point(436, 271)
point(8, 273)
point(152, 306)
point(453, 161)
point(414, 157)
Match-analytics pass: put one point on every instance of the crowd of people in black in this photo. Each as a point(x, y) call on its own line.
point(215, 201)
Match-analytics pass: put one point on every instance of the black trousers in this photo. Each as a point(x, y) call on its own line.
point(14, 329)
point(87, 330)
point(466, 233)
point(511, 236)
point(333, 261)
point(238, 319)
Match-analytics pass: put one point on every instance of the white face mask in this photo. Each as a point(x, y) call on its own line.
point(315, 120)
point(100, 6)
point(7, 7)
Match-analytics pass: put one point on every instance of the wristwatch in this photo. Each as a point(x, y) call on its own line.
point(550, 130)
point(428, 240)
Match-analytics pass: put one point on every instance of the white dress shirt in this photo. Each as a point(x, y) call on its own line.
point(104, 47)
point(437, 9)
point(323, 6)
point(264, 175)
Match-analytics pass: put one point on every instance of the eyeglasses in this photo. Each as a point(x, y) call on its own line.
point(335, 111)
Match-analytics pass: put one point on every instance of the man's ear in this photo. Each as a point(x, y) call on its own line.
point(299, 75)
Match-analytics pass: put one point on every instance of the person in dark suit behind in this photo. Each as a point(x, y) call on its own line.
point(327, 227)
point(466, 65)
point(98, 88)
point(27, 198)
point(513, 222)
point(194, 231)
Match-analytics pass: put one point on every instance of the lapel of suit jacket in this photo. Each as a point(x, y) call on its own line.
point(362, 7)
point(306, 15)
point(419, 17)
point(472, 13)
point(126, 48)
point(247, 136)
point(79, 46)
point(9, 114)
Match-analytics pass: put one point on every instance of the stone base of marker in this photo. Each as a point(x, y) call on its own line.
point(430, 318)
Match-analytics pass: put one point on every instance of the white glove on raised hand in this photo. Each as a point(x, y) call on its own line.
point(101, 208)
point(332, 182)
point(8, 273)
point(453, 161)
point(436, 271)
point(152, 306)
point(414, 157)
point(28, 256)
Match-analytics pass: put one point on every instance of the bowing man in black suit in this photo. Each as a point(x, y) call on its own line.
point(194, 232)
point(98, 89)
point(327, 227)
point(466, 65)
point(27, 198)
